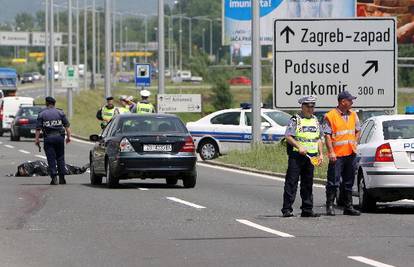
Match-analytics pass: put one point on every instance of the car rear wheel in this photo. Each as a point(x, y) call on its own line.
point(1, 133)
point(208, 150)
point(171, 181)
point(111, 180)
point(95, 179)
point(190, 180)
point(366, 202)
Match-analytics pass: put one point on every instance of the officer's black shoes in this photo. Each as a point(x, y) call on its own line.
point(309, 214)
point(330, 211)
point(54, 180)
point(349, 209)
point(288, 214)
point(62, 180)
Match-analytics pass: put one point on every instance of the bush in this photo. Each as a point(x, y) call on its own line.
point(222, 97)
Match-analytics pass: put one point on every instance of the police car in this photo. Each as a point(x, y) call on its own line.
point(385, 160)
point(229, 129)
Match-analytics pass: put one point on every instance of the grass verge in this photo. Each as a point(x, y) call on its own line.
point(270, 157)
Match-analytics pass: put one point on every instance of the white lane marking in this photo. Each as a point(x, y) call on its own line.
point(369, 261)
point(262, 228)
point(185, 203)
point(82, 141)
point(41, 156)
point(143, 189)
point(24, 151)
point(250, 173)
point(9, 146)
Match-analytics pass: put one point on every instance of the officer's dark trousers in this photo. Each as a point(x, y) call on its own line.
point(298, 166)
point(343, 167)
point(55, 152)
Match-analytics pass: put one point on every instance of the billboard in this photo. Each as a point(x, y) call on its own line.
point(237, 16)
point(402, 10)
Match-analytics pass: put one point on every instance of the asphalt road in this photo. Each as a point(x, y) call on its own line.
point(231, 218)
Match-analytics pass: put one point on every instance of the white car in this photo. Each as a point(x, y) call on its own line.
point(229, 129)
point(385, 160)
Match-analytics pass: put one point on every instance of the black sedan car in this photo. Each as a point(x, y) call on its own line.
point(143, 146)
point(24, 122)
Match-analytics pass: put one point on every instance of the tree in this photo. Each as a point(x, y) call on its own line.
point(221, 93)
point(24, 21)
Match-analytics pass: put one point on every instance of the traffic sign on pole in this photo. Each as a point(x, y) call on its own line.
point(172, 103)
point(70, 78)
point(14, 38)
point(142, 75)
point(323, 57)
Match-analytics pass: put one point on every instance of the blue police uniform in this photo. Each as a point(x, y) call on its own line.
point(53, 122)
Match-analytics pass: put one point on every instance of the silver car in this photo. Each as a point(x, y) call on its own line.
point(385, 160)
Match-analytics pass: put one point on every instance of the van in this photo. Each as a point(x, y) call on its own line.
point(8, 109)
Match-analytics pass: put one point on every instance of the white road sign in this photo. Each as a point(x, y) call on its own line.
point(39, 39)
point(323, 57)
point(14, 39)
point(169, 103)
point(70, 77)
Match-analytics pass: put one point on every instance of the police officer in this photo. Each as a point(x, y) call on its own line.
point(342, 129)
point(303, 136)
point(53, 123)
point(106, 113)
point(125, 106)
point(144, 106)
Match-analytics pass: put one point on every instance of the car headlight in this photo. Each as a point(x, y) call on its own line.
point(125, 146)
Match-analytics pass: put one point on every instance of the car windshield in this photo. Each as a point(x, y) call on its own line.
point(149, 125)
point(27, 75)
point(30, 111)
point(398, 129)
point(279, 117)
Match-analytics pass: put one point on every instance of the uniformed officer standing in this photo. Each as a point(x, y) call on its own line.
point(106, 113)
point(303, 136)
point(53, 123)
point(125, 106)
point(144, 106)
point(342, 129)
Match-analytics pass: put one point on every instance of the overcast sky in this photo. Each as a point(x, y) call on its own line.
point(9, 8)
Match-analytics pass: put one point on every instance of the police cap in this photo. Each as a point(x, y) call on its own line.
point(307, 100)
point(50, 100)
point(109, 98)
point(145, 93)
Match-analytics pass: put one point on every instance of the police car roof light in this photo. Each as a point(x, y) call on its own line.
point(245, 105)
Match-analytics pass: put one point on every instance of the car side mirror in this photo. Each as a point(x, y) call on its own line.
point(95, 138)
point(12, 116)
point(266, 124)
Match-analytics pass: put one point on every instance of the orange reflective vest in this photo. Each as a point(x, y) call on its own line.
point(343, 132)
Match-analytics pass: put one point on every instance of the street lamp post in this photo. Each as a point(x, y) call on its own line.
point(70, 58)
point(211, 31)
point(203, 39)
point(256, 73)
point(85, 45)
point(93, 78)
point(47, 66)
point(51, 49)
point(161, 48)
point(77, 36)
point(98, 33)
point(108, 48)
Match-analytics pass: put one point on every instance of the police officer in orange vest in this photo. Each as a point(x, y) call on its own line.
point(342, 129)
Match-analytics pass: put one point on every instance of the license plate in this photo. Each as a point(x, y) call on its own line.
point(157, 148)
point(33, 131)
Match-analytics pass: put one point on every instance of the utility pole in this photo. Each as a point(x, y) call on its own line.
point(77, 37)
point(256, 73)
point(169, 47)
point(211, 38)
point(161, 48)
point(93, 78)
point(52, 49)
point(108, 48)
point(70, 58)
point(114, 38)
point(189, 37)
point(58, 30)
point(85, 45)
point(181, 43)
point(146, 38)
point(121, 50)
point(47, 66)
point(98, 32)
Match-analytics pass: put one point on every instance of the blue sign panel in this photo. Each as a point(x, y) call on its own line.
point(142, 75)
